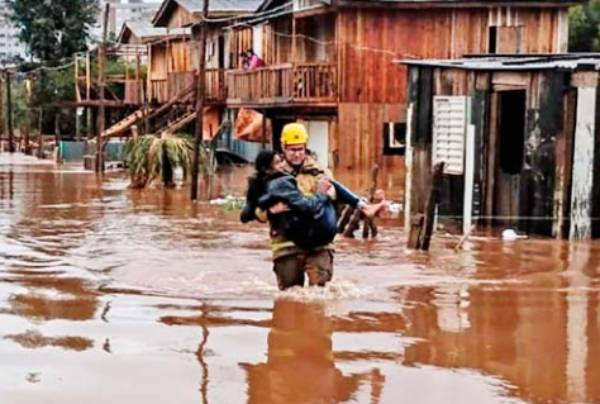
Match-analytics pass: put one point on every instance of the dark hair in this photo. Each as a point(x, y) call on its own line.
point(264, 161)
point(250, 51)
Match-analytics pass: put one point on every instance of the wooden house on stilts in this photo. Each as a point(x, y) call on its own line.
point(330, 64)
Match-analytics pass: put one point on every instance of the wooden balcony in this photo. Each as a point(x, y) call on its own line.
point(165, 90)
point(305, 84)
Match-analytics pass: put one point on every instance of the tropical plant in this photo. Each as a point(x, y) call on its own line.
point(149, 158)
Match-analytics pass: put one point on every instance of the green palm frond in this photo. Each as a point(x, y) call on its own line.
point(149, 158)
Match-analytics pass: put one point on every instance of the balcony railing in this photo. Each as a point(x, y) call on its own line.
point(215, 85)
point(283, 84)
point(165, 90)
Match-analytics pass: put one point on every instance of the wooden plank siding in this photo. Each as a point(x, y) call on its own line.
point(369, 40)
point(544, 181)
point(277, 41)
point(180, 17)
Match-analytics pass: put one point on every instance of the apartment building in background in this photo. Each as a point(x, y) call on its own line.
point(10, 46)
point(121, 11)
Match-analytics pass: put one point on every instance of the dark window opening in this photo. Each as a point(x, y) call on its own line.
point(221, 50)
point(394, 138)
point(511, 130)
point(492, 39)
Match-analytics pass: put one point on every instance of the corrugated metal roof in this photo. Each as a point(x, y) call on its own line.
point(565, 61)
point(214, 6)
point(220, 5)
point(145, 30)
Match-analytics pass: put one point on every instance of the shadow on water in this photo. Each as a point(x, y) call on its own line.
point(103, 288)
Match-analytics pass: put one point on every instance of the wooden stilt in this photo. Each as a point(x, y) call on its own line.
point(422, 224)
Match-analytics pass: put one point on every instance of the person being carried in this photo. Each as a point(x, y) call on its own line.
point(290, 260)
point(310, 222)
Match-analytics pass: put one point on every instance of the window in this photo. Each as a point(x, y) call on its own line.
point(394, 138)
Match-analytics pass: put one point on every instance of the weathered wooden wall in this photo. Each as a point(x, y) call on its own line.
point(157, 68)
point(316, 39)
point(543, 183)
point(358, 137)
point(585, 199)
point(240, 40)
point(369, 40)
point(277, 41)
point(180, 55)
point(180, 18)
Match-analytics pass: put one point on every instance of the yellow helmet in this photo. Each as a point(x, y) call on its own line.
point(294, 133)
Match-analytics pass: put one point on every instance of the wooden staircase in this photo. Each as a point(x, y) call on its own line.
point(177, 124)
point(183, 97)
point(124, 124)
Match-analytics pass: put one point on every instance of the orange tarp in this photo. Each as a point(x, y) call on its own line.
point(249, 126)
point(211, 123)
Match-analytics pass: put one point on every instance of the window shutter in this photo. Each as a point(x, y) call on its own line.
point(450, 118)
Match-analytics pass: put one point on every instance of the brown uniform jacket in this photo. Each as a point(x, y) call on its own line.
point(308, 177)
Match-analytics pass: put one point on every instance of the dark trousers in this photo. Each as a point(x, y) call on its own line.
point(290, 269)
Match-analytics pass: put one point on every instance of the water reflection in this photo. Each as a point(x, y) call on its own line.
point(537, 335)
point(102, 287)
point(300, 365)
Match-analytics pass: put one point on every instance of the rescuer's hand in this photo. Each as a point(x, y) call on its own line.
point(279, 207)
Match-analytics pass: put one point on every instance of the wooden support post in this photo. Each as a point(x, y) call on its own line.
point(200, 96)
point(57, 137)
point(8, 115)
point(369, 222)
point(40, 136)
point(264, 129)
point(344, 219)
point(354, 223)
point(101, 87)
point(421, 228)
point(88, 80)
point(76, 72)
point(138, 86)
point(2, 115)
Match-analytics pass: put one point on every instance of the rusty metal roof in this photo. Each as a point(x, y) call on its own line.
point(219, 7)
point(145, 31)
point(563, 61)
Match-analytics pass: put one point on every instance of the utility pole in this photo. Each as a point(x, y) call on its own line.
point(8, 117)
point(101, 86)
point(200, 98)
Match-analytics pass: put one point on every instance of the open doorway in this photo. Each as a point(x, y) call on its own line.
point(510, 147)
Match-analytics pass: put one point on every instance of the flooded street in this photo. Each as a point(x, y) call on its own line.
point(110, 295)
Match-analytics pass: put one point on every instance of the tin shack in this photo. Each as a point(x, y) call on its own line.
point(518, 138)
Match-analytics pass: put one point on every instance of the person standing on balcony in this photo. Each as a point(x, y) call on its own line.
point(254, 61)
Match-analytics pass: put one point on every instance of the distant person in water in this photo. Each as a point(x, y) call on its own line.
point(291, 261)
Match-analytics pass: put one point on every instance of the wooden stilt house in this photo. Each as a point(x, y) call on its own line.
point(330, 63)
point(519, 138)
point(181, 58)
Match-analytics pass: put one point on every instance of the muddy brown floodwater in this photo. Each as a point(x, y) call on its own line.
point(109, 295)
